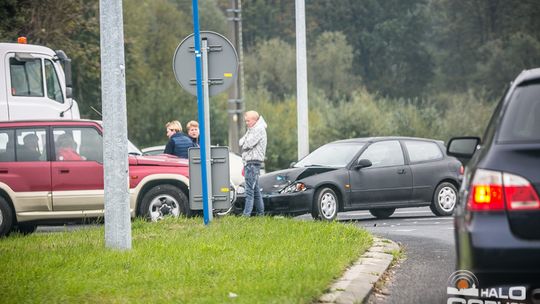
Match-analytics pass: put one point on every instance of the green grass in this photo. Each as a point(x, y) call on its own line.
point(232, 260)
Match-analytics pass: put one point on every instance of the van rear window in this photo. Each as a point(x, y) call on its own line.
point(521, 121)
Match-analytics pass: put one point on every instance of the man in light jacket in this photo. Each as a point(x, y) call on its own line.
point(253, 145)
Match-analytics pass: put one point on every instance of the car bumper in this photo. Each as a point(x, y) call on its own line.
point(284, 204)
point(486, 246)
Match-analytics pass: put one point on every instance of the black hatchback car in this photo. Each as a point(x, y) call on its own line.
point(379, 174)
point(497, 222)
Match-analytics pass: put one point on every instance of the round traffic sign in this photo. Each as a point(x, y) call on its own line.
point(222, 63)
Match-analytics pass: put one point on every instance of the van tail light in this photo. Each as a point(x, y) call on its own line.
point(490, 190)
point(461, 170)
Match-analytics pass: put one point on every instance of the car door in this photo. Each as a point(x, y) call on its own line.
point(388, 181)
point(27, 174)
point(427, 164)
point(77, 170)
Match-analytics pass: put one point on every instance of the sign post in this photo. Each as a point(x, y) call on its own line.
point(216, 64)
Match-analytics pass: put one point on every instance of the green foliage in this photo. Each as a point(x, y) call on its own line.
point(272, 66)
point(182, 261)
point(429, 68)
point(330, 65)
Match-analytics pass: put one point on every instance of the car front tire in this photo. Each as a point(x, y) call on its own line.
point(325, 205)
point(6, 217)
point(444, 199)
point(382, 213)
point(162, 201)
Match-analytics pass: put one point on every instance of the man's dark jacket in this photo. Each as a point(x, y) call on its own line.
point(178, 145)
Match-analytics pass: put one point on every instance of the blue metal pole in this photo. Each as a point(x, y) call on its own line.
point(200, 108)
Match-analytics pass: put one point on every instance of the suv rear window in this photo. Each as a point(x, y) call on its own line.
point(521, 122)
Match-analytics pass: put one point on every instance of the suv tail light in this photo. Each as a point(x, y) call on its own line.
point(490, 190)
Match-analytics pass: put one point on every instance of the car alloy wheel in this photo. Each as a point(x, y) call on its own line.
point(163, 201)
point(444, 200)
point(162, 206)
point(326, 204)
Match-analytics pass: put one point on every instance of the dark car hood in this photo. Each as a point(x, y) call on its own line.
point(277, 180)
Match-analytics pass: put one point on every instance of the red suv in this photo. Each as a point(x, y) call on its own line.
point(52, 172)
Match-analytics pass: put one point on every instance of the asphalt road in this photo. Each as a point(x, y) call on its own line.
point(429, 254)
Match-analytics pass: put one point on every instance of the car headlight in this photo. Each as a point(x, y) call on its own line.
point(294, 187)
point(240, 189)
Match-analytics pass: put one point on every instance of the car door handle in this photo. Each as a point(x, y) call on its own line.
point(2, 170)
point(63, 171)
point(401, 171)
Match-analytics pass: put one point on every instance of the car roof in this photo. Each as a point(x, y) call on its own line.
point(35, 122)
point(383, 138)
point(527, 75)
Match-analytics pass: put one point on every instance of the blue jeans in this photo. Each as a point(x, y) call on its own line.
point(253, 192)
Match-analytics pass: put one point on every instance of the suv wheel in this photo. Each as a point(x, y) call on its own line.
point(444, 199)
point(6, 217)
point(162, 201)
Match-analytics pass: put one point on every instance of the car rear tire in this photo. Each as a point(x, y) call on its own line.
point(444, 199)
point(162, 201)
point(325, 204)
point(382, 213)
point(6, 217)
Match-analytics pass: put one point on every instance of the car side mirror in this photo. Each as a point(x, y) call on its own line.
point(363, 163)
point(462, 147)
point(292, 164)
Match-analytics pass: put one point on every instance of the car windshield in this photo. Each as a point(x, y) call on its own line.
point(335, 155)
point(521, 122)
point(132, 149)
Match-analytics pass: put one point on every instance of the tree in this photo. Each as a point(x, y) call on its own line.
point(272, 66)
point(330, 66)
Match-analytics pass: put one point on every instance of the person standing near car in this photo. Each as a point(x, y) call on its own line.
point(253, 145)
point(179, 143)
point(192, 128)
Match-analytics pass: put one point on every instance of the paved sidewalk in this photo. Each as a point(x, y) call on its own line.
point(358, 281)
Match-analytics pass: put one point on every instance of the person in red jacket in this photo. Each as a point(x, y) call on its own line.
point(66, 148)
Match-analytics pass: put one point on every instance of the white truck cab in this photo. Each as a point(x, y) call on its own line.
point(33, 84)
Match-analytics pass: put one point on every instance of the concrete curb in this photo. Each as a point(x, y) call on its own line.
point(358, 281)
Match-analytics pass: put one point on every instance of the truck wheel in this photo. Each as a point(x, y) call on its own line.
point(162, 201)
point(6, 217)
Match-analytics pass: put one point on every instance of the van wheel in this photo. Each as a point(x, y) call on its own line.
point(382, 213)
point(6, 217)
point(163, 201)
point(444, 199)
point(325, 205)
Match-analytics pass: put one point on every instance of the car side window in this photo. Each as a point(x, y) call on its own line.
point(384, 153)
point(420, 151)
point(7, 146)
point(67, 144)
point(31, 144)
